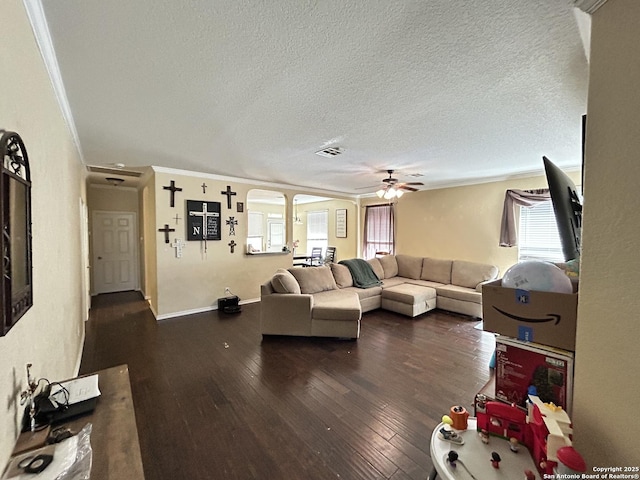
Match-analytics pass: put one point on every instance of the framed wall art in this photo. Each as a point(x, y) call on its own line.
point(341, 223)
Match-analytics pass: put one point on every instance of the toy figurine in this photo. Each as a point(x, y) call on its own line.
point(513, 444)
point(452, 456)
point(450, 436)
point(484, 436)
point(495, 460)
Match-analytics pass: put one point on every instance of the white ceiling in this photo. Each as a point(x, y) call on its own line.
point(457, 91)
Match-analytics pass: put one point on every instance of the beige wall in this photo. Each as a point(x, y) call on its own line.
point(107, 198)
point(50, 334)
point(460, 223)
point(607, 383)
point(148, 253)
point(345, 247)
point(195, 281)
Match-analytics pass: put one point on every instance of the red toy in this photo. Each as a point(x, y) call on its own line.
point(545, 430)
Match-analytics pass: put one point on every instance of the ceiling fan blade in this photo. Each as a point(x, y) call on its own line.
point(370, 186)
point(413, 183)
point(405, 187)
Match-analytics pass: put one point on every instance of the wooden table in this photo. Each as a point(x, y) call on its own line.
point(114, 436)
point(301, 260)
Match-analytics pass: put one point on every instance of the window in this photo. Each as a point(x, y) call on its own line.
point(255, 232)
point(317, 229)
point(378, 230)
point(538, 234)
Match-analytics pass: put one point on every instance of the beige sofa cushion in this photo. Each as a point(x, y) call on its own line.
point(338, 305)
point(389, 265)
point(470, 274)
point(314, 279)
point(436, 270)
point(342, 275)
point(459, 293)
point(377, 267)
point(408, 266)
point(284, 282)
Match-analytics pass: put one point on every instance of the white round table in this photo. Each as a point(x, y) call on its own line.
point(476, 457)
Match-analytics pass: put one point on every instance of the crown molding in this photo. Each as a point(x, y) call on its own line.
point(224, 178)
point(589, 6)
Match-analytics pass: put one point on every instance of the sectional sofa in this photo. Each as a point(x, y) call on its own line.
point(322, 301)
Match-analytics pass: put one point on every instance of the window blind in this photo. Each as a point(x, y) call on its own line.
point(317, 229)
point(254, 227)
point(538, 234)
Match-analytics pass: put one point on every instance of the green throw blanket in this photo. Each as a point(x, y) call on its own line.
point(362, 273)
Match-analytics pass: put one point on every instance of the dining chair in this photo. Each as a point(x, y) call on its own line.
point(316, 257)
point(330, 255)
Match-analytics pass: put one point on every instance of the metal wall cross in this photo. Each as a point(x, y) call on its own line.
point(166, 231)
point(173, 189)
point(232, 222)
point(228, 193)
point(232, 244)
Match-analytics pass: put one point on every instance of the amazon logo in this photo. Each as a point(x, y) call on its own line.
point(551, 317)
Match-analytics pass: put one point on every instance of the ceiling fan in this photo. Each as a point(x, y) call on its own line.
point(391, 188)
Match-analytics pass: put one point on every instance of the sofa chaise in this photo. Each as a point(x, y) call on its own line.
point(322, 301)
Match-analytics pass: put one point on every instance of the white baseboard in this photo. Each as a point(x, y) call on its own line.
point(76, 370)
point(193, 311)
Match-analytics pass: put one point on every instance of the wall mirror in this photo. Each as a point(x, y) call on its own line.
point(15, 242)
point(267, 225)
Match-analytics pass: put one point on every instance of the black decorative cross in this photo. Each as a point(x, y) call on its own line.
point(166, 231)
point(228, 193)
point(173, 189)
point(232, 244)
point(232, 222)
point(204, 187)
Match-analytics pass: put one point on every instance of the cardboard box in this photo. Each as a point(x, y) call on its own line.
point(522, 364)
point(546, 318)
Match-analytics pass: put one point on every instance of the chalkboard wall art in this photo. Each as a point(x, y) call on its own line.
point(203, 220)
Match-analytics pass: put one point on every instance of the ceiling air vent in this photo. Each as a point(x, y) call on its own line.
point(114, 171)
point(330, 152)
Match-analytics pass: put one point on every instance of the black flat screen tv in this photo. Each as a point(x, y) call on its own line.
point(567, 207)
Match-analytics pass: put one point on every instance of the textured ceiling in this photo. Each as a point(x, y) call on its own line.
point(458, 91)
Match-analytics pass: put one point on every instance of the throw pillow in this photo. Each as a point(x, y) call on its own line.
point(314, 279)
point(284, 282)
point(342, 275)
point(389, 265)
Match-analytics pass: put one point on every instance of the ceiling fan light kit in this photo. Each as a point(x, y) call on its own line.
point(392, 189)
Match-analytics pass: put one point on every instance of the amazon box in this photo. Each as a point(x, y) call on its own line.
point(546, 318)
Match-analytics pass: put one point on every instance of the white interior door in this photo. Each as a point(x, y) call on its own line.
point(275, 235)
point(115, 264)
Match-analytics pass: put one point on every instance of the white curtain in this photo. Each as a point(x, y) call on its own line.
point(379, 230)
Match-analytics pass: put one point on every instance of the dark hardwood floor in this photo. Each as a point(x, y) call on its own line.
point(215, 400)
